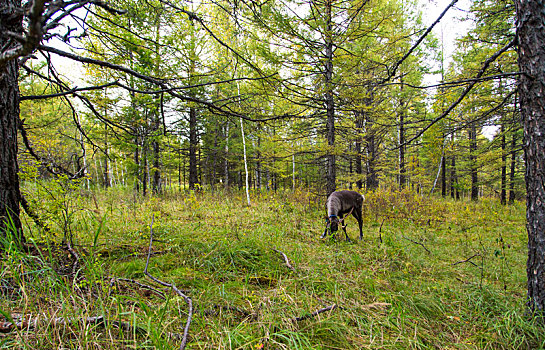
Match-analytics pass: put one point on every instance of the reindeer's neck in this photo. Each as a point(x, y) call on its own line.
point(333, 207)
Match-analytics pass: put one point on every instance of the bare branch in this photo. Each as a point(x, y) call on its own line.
point(315, 313)
point(464, 93)
point(68, 92)
point(418, 42)
point(286, 260)
point(419, 243)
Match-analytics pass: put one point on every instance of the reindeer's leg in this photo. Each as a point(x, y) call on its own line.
point(343, 225)
point(358, 215)
point(325, 232)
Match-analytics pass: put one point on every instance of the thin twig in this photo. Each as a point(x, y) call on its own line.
point(286, 260)
point(32, 323)
point(468, 260)
point(419, 243)
point(173, 287)
point(141, 285)
point(315, 313)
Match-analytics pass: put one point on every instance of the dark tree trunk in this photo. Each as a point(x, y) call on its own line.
point(472, 132)
point(214, 160)
point(226, 159)
point(137, 163)
point(357, 151)
point(512, 170)
point(145, 169)
point(193, 143)
point(503, 193)
point(107, 180)
point(444, 176)
point(401, 139)
point(157, 188)
point(331, 175)
point(531, 61)
point(454, 192)
point(258, 171)
point(180, 168)
point(10, 195)
point(371, 181)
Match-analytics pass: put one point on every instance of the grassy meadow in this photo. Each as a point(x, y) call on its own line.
point(430, 273)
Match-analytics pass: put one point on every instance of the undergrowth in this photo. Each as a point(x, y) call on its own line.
point(430, 273)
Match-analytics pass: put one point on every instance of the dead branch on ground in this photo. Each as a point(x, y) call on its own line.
point(174, 289)
point(286, 260)
point(315, 313)
point(419, 243)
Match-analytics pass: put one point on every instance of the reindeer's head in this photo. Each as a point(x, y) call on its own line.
point(332, 224)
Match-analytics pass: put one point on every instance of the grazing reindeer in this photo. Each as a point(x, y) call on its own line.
point(339, 206)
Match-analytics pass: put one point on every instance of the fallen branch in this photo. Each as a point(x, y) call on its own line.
point(419, 243)
point(19, 323)
point(141, 285)
point(173, 287)
point(315, 313)
point(468, 260)
point(286, 260)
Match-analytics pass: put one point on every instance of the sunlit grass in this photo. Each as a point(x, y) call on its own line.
point(429, 273)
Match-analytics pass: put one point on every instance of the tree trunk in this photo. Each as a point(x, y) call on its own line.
point(331, 175)
point(193, 176)
point(10, 195)
point(258, 170)
point(145, 170)
point(531, 60)
point(503, 193)
point(358, 153)
point(156, 167)
point(226, 158)
point(106, 176)
point(512, 170)
point(472, 133)
point(401, 139)
point(245, 163)
point(371, 181)
point(444, 176)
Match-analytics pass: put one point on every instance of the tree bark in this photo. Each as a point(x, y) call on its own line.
point(472, 133)
point(503, 192)
point(193, 141)
point(226, 160)
point(10, 195)
point(401, 139)
point(531, 61)
point(357, 151)
point(371, 180)
point(331, 175)
point(512, 170)
point(444, 176)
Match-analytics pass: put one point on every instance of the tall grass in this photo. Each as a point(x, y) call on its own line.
point(429, 273)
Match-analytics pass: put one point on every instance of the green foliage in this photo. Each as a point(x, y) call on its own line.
point(446, 275)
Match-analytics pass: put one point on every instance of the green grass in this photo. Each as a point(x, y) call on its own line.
point(407, 285)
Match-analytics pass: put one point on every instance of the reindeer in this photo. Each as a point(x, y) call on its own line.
point(339, 206)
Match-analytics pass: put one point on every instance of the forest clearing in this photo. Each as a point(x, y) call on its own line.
point(429, 273)
point(178, 174)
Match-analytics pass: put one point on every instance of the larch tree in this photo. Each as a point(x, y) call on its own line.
point(531, 60)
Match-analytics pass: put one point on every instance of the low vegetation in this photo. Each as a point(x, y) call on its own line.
point(429, 273)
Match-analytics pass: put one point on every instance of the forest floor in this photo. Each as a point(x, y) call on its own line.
point(430, 273)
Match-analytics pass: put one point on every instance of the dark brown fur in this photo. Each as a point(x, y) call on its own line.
point(339, 204)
